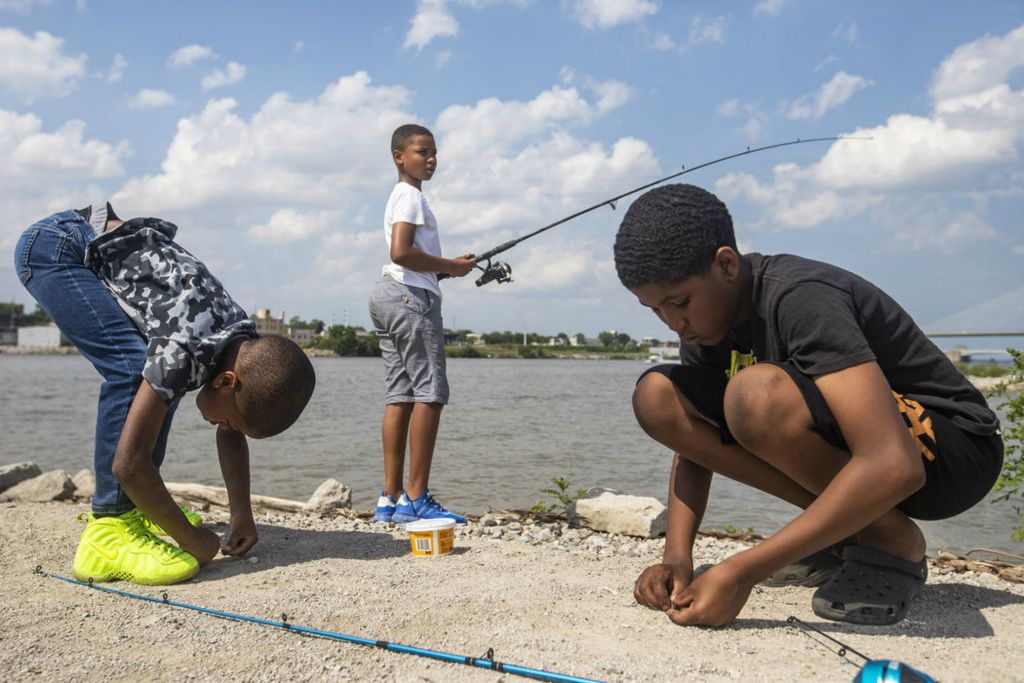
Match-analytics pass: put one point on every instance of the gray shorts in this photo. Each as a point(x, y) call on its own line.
point(411, 333)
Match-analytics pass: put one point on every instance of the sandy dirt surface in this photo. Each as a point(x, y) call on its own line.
point(545, 598)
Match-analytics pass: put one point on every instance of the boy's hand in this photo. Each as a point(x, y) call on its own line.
point(203, 545)
point(658, 583)
point(713, 599)
point(463, 265)
point(242, 538)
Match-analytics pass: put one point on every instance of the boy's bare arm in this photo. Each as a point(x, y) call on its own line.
point(233, 453)
point(689, 484)
point(408, 256)
point(134, 469)
point(884, 469)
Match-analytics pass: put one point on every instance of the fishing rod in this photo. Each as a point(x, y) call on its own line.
point(502, 272)
point(485, 662)
point(873, 670)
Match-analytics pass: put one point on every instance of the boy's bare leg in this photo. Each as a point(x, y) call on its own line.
point(394, 430)
point(670, 419)
point(767, 414)
point(426, 418)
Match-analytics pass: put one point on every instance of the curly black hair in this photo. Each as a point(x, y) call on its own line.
point(671, 233)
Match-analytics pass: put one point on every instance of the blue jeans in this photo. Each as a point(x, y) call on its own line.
point(49, 259)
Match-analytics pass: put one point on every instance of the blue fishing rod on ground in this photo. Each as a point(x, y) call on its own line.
point(485, 662)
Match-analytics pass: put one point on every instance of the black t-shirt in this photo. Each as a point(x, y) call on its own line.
point(822, 318)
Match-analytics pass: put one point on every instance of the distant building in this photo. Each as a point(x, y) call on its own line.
point(11, 318)
point(303, 336)
point(474, 338)
point(267, 324)
point(40, 336)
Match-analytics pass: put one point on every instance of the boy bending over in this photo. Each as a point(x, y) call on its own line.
point(809, 383)
point(156, 324)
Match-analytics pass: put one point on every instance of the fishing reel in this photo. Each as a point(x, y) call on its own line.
point(502, 272)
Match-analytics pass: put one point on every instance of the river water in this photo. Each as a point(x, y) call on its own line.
point(512, 425)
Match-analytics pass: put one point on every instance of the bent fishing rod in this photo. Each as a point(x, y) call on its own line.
point(487, 661)
point(502, 272)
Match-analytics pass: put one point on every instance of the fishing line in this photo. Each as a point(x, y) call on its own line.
point(502, 272)
point(485, 662)
point(872, 670)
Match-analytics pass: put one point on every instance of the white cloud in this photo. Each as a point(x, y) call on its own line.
point(979, 65)
point(189, 55)
point(149, 98)
point(611, 95)
point(769, 7)
point(289, 153)
point(229, 75)
point(116, 71)
point(442, 58)
point(1018, 250)
point(605, 14)
point(663, 42)
point(947, 234)
point(298, 47)
point(728, 108)
point(928, 180)
point(704, 30)
point(291, 225)
point(847, 32)
point(36, 66)
point(830, 95)
point(43, 171)
point(432, 20)
point(755, 122)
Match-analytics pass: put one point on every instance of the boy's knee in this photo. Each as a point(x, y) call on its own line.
point(656, 402)
point(760, 401)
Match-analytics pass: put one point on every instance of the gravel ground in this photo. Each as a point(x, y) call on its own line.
point(543, 596)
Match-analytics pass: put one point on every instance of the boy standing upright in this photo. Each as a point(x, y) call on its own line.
point(811, 384)
point(405, 307)
point(155, 323)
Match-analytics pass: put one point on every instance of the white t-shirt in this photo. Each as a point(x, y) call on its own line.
point(408, 205)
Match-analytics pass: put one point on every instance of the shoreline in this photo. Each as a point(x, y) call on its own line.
point(541, 595)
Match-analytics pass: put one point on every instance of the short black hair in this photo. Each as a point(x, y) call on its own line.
point(670, 234)
point(400, 138)
point(277, 381)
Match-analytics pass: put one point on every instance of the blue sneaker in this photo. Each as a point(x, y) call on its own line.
point(424, 507)
point(385, 508)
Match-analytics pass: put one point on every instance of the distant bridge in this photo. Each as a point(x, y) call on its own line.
point(962, 354)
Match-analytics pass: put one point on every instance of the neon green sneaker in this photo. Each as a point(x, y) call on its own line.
point(122, 548)
point(193, 518)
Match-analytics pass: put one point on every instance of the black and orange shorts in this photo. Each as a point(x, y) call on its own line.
point(960, 466)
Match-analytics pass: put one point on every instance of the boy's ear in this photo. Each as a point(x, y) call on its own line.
point(226, 379)
point(728, 262)
point(396, 156)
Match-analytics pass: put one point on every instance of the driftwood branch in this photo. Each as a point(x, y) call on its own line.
point(199, 495)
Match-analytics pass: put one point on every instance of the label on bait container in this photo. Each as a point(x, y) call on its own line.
point(431, 537)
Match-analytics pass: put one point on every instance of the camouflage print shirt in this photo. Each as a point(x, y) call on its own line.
point(176, 303)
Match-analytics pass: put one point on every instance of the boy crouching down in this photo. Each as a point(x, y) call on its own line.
point(155, 323)
point(809, 383)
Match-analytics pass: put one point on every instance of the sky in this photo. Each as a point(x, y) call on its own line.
point(262, 130)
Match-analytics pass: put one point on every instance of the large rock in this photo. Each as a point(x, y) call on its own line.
point(17, 473)
point(54, 485)
point(85, 484)
point(330, 494)
point(606, 510)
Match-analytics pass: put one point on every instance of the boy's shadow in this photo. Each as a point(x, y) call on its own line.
point(281, 546)
point(929, 615)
